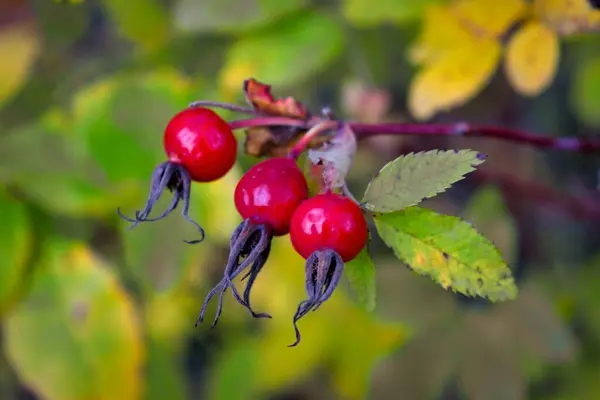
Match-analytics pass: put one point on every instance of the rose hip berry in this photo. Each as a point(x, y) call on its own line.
point(270, 192)
point(201, 141)
point(266, 198)
point(329, 221)
point(327, 230)
point(200, 147)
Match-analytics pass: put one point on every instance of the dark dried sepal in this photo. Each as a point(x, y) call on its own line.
point(250, 246)
point(323, 271)
point(175, 178)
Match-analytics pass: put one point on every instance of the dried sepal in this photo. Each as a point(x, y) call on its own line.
point(175, 178)
point(250, 246)
point(323, 271)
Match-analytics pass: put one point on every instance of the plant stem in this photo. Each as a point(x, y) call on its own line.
point(313, 132)
point(267, 121)
point(224, 106)
point(582, 145)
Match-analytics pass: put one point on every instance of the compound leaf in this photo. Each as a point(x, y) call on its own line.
point(360, 273)
point(411, 178)
point(449, 251)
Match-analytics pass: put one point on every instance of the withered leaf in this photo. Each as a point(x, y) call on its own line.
point(259, 96)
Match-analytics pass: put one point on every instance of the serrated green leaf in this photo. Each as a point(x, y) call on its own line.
point(414, 177)
point(360, 273)
point(449, 251)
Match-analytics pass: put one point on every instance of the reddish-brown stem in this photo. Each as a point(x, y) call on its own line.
point(267, 121)
point(583, 145)
point(313, 132)
point(224, 106)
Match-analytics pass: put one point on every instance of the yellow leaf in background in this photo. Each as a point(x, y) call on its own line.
point(76, 335)
point(454, 79)
point(489, 18)
point(440, 34)
point(532, 56)
point(567, 16)
point(19, 46)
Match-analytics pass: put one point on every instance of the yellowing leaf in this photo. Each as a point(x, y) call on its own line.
point(489, 18)
point(567, 16)
point(362, 13)
point(19, 45)
point(15, 244)
point(441, 33)
point(284, 54)
point(76, 335)
point(454, 79)
point(585, 91)
point(449, 251)
point(532, 58)
point(414, 177)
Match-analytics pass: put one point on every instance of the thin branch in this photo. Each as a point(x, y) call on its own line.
point(267, 121)
point(224, 106)
point(315, 131)
point(582, 145)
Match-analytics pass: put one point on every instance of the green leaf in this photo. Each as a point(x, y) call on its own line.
point(449, 251)
point(414, 177)
point(164, 372)
point(77, 332)
point(146, 22)
point(363, 13)
point(15, 244)
point(585, 91)
point(360, 273)
point(231, 16)
point(285, 54)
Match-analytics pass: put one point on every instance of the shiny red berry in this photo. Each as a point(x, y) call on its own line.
point(201, 141)
point(329, 221)
point(270, 192)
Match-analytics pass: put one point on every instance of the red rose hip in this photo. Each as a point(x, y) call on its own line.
point(200, 147)
point(329, 221)
point(270, 192)
point(201, 141)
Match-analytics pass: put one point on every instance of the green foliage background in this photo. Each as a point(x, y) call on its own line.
point(92, 310)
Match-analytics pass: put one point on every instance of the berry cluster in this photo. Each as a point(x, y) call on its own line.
point(273, 199)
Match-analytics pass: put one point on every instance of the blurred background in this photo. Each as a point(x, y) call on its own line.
point(92, 310)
